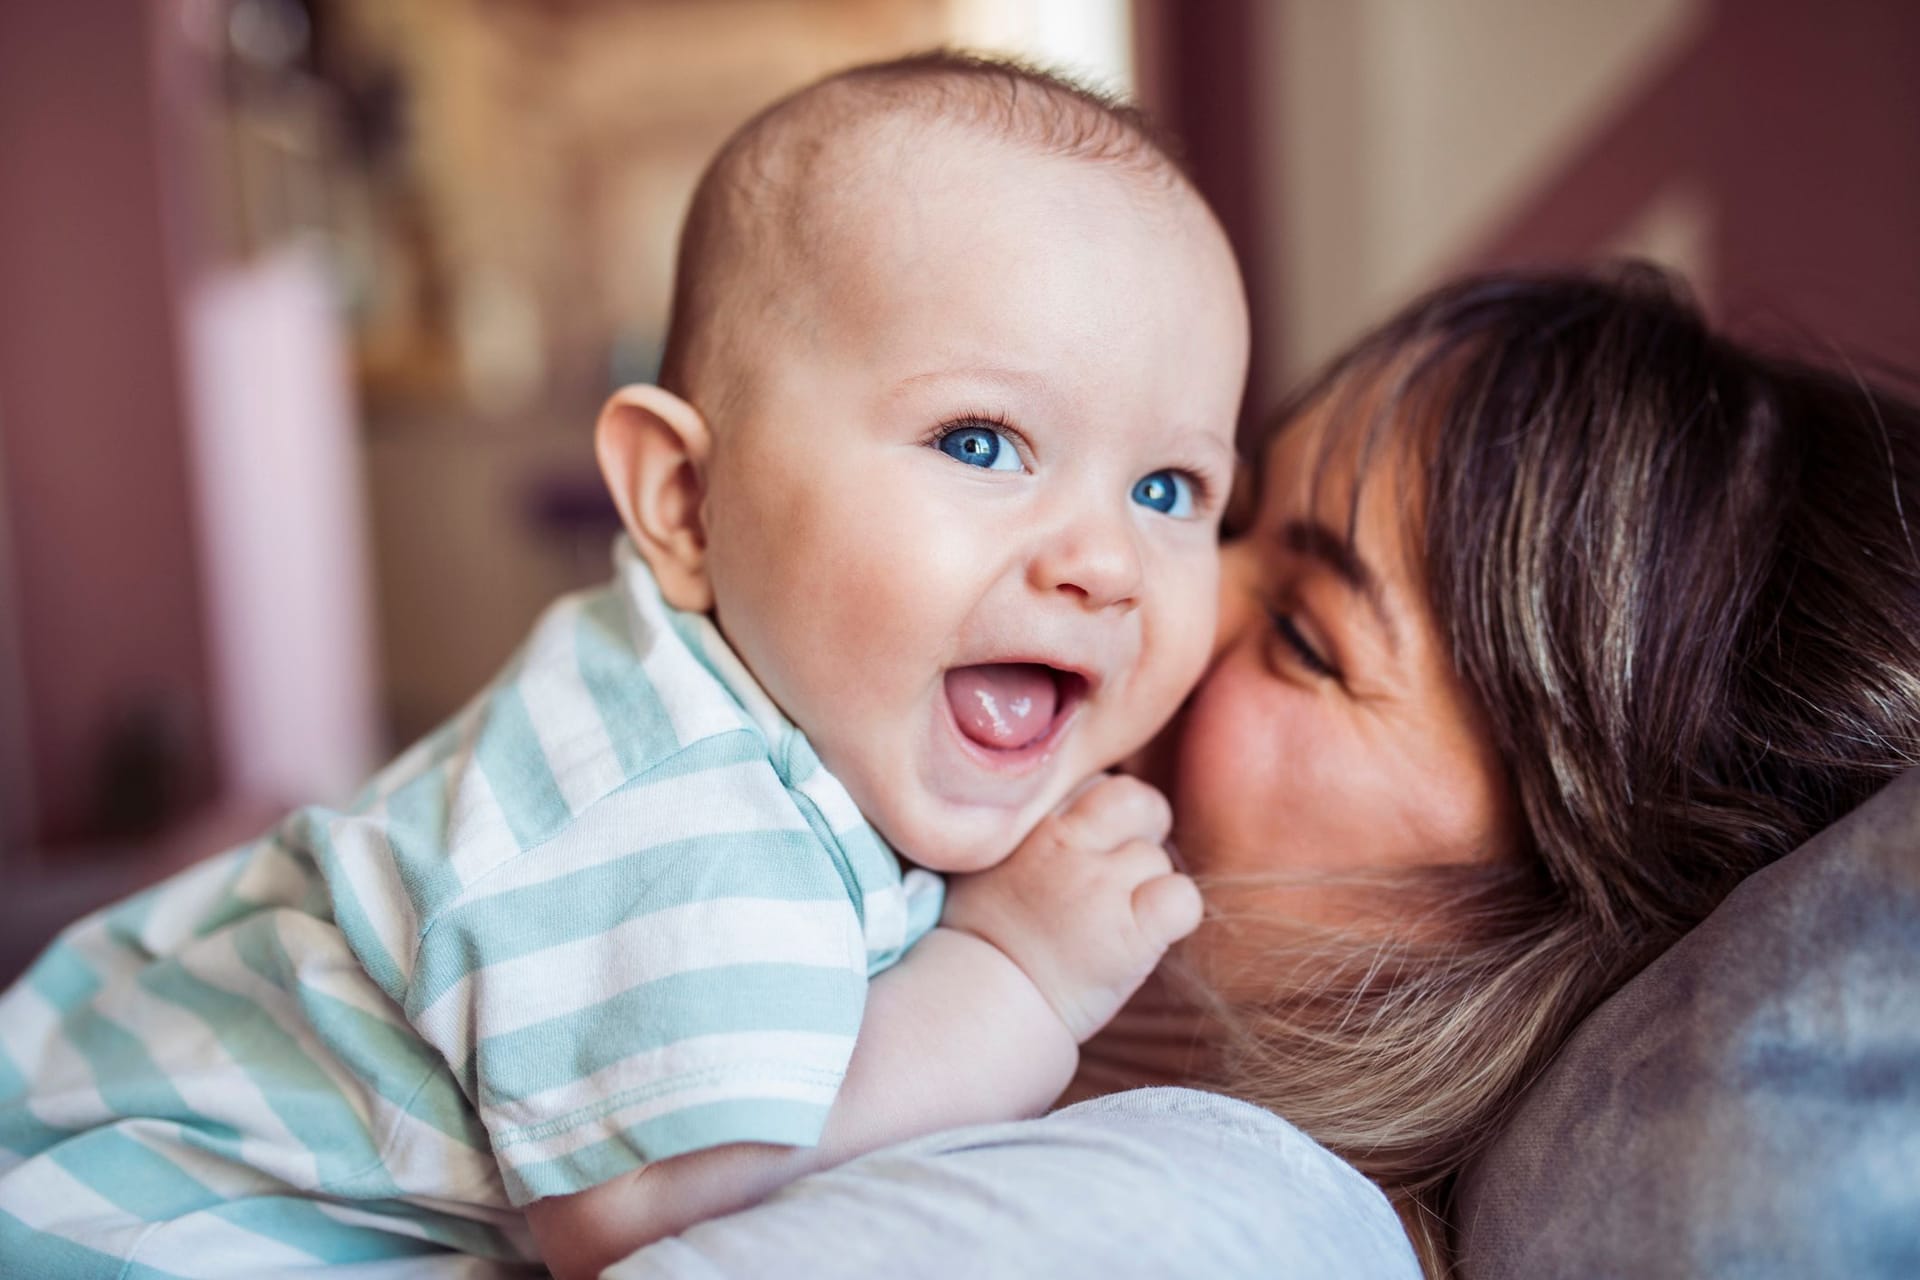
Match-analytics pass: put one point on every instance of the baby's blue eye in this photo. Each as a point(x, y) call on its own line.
point(980, 446)
point(1167, 492)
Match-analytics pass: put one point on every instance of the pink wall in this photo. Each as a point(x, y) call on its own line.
point(1801, 125)
point(107, 609)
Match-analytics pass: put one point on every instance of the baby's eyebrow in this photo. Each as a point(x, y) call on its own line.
point(1315, 540)
point(1006, 376)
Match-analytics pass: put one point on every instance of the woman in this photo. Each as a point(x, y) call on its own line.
point(1558, 616)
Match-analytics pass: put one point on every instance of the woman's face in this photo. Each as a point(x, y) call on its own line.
point(1330, 735)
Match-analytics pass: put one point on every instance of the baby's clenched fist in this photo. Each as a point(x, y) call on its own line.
point(1087, 904)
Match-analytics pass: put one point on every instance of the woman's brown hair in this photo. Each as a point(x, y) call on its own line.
point(1681, 578)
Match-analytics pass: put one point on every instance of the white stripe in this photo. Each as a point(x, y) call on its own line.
point(185, 1049)
point(205, 1246)
point(47, 1198)
point(363, 859)
point(831, 798)
point(886, 920)
point(112, 961)
point(752, 1065)
point(183, 901)
point(524, 1154)
point(479, 840)
point(326, 966)
point(566, 719)
point(410, 1227)
point(760, 708)
point(427, 1164)
point(695, 703)
point(218, 964)
point(741, 799)
point(227, 1178)
point(272, 876)
point(415, 1154)
point(60, 1086)
point(922, 891)
point(576, 975)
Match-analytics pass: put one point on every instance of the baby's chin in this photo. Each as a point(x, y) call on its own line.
point(956, 843)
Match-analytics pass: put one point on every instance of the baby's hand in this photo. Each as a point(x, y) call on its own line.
point(1087, 904)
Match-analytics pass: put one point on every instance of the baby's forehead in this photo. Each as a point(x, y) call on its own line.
point(826, 201)
point(858, 223)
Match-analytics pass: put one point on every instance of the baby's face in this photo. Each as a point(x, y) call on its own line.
point(963, 527)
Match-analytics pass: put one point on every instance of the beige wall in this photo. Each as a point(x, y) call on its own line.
point(1405, 129)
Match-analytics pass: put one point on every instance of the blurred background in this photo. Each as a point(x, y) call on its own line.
point(306, 306)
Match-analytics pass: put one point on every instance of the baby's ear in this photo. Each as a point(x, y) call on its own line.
point(653, 449)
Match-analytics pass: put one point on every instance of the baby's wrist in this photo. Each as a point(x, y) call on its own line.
point(1019, 972)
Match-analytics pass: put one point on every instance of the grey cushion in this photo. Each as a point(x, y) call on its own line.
point(1747, 1106)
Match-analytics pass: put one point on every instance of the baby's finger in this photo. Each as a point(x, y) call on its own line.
point(1167, 908)
point(1117, 808)
point(1136, 861)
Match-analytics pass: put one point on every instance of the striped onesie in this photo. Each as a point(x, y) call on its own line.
point(614, 911)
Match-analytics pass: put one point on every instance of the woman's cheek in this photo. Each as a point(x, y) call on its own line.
point(1226, 776)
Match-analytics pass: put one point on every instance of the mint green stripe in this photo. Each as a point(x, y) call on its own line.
point(875, 865)
point(348, 914)
point(795, 758)
point(61, 976)
point(293, 1085)
point(392, 1061)
point(20, 1130)
point(836, 856)
point(129, 1081)
point(717, 751)
point(778, 1121)
point(636, 722)
point(34, 1253)
point(736, 998)
point(688, 628)
point(782, 865)
point(416, 834)
point(227, 907)
point(509, 753)
point(132, 1176)
point(457, 1234)
point(299, 1224)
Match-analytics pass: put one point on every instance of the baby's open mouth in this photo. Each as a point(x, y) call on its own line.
point(1009, 706)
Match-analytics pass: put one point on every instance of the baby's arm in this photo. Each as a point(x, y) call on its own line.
point(982, 1020)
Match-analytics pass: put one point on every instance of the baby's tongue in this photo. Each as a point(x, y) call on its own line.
point(1004, 705)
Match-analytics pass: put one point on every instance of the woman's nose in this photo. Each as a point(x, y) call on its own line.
point(1093, 559)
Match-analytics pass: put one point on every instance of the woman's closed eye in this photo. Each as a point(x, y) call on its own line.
point(979, 443)
point(1302, 648)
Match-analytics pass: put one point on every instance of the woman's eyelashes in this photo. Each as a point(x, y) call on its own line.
point(1303, 649)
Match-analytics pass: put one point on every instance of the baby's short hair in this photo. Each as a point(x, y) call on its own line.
point(764, 198)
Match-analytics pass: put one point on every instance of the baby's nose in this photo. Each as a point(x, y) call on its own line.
point(1095, 560)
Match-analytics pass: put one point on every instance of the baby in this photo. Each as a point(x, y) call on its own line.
point(921, 534)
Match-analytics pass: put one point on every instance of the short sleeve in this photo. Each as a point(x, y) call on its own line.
point(679, 968)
